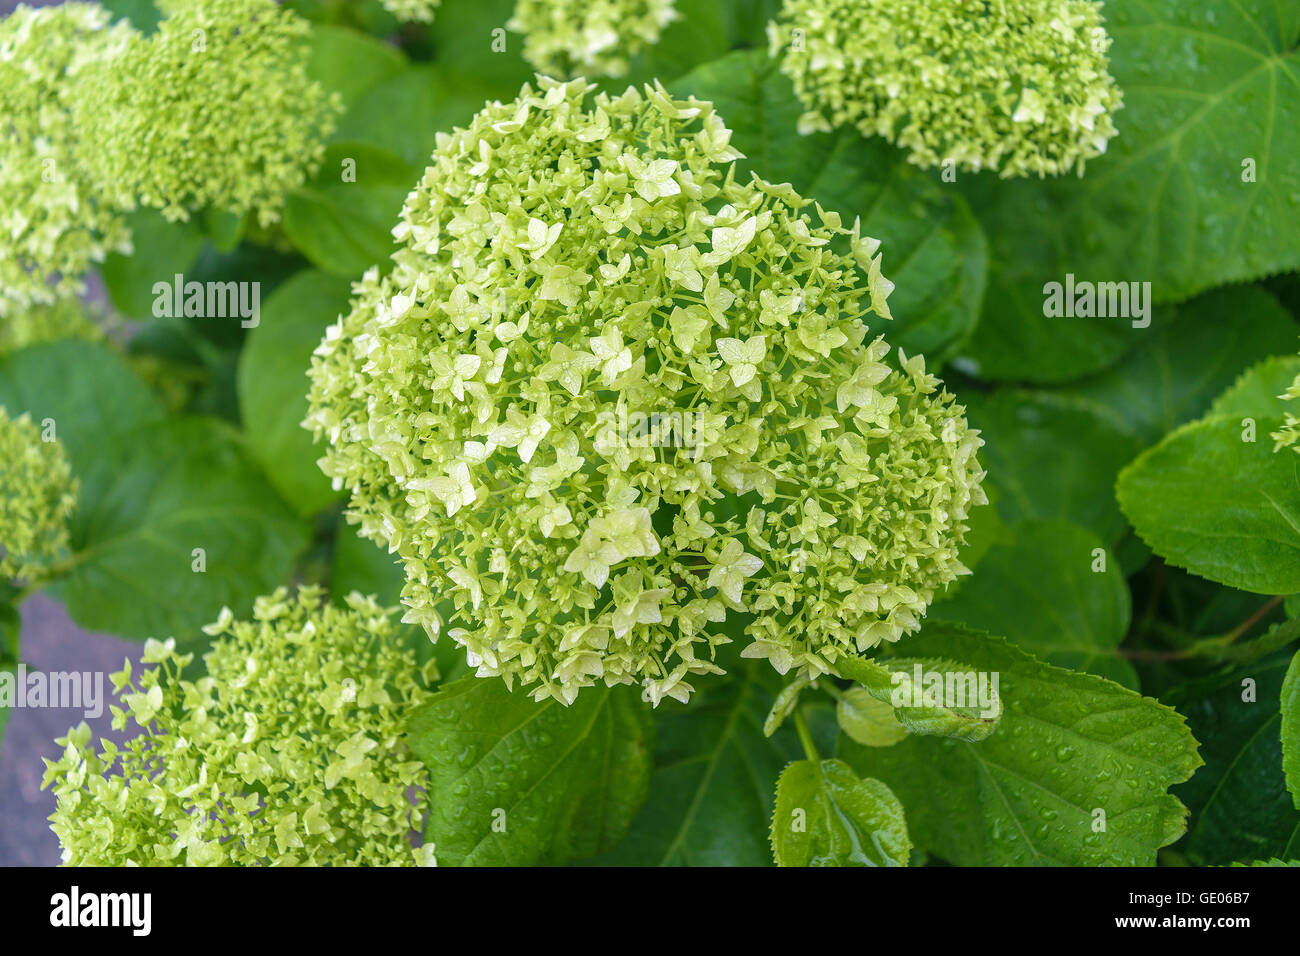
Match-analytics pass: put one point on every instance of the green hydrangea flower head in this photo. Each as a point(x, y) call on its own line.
point(1020, 86)
point(610, 398)
point(593, 37)
point(55, 227)
point(39, 492)
point(1288, 436)
point(215, 108)
point(412, 11)
point(65, 319)
point(289, 751)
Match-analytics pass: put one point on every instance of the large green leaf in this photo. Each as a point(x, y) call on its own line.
point(160, 251)
point(1290, 713)
point(361, 565)
point(1240, 806)
point(1207, 86)
point(349, 62)
point(11, 624)
point(1069, 745)
point(84, 388)
point(1192, 353)
point(705, 30)
point(142, 14)
point(344, 226)
point(153, 496)
point(1273, 862)
point(405, 112)
point(1257, 388)
point(1053, 456)
point(1221, 507)
point(711, 796)
point(1013, 339)
point(467, 45)
point(516, 782)
point(273, 385)
point(934, 250)
point(826, 815)
point(1051, 587)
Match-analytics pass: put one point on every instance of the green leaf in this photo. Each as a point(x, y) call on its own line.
point(711, 796)
point(1240, 806)
point(361, 565)
point(404, 113)
point(1068, 745)
point(1206, 86)
point(1273, 862)
point(151, 497)
point(1221, 507)
point(222, 228)
point(1258, 388)
point(1228, 649)
point(345, 226)
point(785, 703)
point(85, 388)
point(1052, 456)
point(1286, 288)
point(868, 721)
point(1013, 339)
point(518, 783)
point(705, 30)
point(1192, 353)
point(1290, 712)
point(161, 251)
point(1055, 592)
point(463, 35)
point(934, 250)
point(891, 681)
point(273, 385)
point(350, 62)
point(142, 14)
point(11, 624)
point(827, 816)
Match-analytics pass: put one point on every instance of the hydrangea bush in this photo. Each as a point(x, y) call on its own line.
point(421, 11)
point(564, 37)
point(289, 750)
point(219, 96)
point(54, 218)
point(592, 37)
point(39, 492)
point(214, 109)
point(65, 319)
point(477, 403)
point(609, 390)
point(1021, 87)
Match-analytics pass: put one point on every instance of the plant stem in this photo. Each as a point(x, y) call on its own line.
point(805, 736)
point(1138, 654)
point(1254, 619)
